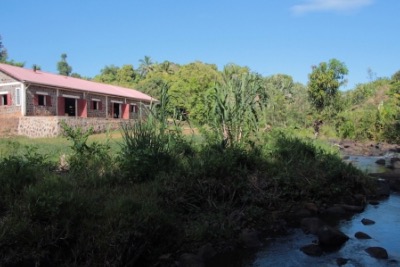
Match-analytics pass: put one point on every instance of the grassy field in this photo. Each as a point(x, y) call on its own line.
point(54, 147)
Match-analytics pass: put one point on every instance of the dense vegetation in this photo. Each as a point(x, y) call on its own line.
point(222, 151)
point(160, 193)
point(368, 112)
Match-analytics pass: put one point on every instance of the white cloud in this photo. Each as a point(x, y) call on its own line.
point(329, 5)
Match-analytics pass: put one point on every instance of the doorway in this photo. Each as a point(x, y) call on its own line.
point(117, 110)
point(70, 106)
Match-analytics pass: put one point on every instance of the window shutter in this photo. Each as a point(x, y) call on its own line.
point(9, 99)
point(61, 106)
point(100, 105)
point(82, 108)
point(48, 100)
point(35, 100)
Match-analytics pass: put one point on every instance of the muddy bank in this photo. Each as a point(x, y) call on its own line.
point(349, 147)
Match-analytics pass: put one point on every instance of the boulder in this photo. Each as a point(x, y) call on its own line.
point(341, 261)
point(367, 221)
point(381, 161)
point(312, 250)
point(190, 260)
point(360, 200)
point(394, 163)
point(206, 252)
point(395, 184)
point(377, 252)
point(382, 188)
point(374, 202)
point(336, 211)
point(331, 237)
point(302, 213)
point(249, 238)
point(312, 207)
point(362, 235)
point(352, 208)
point(311, 225)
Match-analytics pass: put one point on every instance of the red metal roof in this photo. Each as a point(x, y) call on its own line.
point(50, 79)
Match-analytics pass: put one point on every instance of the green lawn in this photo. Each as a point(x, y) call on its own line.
point(52, 147)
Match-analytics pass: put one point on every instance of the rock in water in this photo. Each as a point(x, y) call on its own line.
point(331, 237)
point(377, 252)
point(361, 235)
point(312, 250)
point(367, 221)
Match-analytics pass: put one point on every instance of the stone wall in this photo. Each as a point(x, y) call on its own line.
point(51, 126)
point(32, 108)
point(13, 109)
point(9, 126)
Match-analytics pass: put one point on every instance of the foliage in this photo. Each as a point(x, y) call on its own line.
point(236, 102)
point(310, 171)
point(190, 87)
point(3, 51)
point(287, 103)
point(324, 82)
point(90, 161)
point(20, 169)
point(145, 67)
point(371, 112)
point(4, 56)
point(63, 67)
point(154, 141)
point(396, 76)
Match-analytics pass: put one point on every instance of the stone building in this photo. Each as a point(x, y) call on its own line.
point(33, 103)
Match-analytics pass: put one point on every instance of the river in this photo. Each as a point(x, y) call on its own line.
point(285, 251)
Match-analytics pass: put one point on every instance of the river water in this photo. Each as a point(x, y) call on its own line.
point(385, 233)
point(285, 251)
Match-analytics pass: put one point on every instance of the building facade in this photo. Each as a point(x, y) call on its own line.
point(29, 97)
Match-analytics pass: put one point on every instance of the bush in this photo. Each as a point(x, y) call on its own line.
point(91, 162)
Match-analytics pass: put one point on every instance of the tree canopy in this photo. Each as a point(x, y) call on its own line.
point(3, 51)
point(324, 82)
point(63, 67)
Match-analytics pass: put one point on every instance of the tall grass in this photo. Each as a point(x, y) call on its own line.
point(160, 194)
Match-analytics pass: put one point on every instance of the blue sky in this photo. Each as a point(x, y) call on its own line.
point(268, 36)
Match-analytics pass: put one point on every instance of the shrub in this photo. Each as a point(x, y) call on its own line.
point(91, 162)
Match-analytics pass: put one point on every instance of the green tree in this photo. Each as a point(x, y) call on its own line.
point(3, 52)
point(146, 66)
point(107, 75)
point(324, 83)
point(396, 76)
point(63, 67)
point(190, 87)
point(287, 101)
point(4, 56)
point(126, 75)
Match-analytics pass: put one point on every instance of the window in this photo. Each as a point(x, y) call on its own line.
point(42, 100)
point(134, 108)
point(96, 104)
point(18, 96)
point(3, 100)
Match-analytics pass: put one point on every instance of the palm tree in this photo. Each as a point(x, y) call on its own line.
point(146, 66)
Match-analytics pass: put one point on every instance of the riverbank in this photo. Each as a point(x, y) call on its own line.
point(366, 148)
point(292, 240)
point(162, 205)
